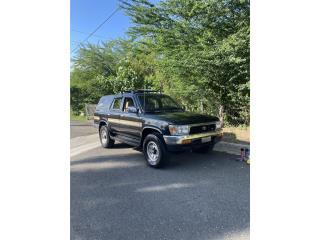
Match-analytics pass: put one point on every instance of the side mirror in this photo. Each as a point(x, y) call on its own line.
point(132, 110)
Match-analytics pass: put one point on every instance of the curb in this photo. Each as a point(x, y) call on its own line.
point(232, 148)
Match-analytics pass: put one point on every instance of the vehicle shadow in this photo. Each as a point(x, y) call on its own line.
point(197, 196)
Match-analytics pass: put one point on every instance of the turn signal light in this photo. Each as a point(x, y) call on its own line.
point(186, 141)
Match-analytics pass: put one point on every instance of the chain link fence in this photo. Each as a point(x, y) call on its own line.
point(89, 110)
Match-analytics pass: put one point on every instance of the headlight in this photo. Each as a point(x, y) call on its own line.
point(179, 129)
point(218, 124)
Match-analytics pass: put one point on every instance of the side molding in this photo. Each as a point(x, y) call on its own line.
point(125, 122)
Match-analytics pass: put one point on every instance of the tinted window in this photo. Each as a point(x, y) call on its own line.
point(104, 103)
point(116, 104)
point(107, 100)
point(155, 103)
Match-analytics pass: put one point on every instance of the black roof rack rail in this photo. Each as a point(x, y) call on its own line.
point(126, 91)
point(146, 90)
point(141, 91)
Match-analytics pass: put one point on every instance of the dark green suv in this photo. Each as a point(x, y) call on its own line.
point(155, 123)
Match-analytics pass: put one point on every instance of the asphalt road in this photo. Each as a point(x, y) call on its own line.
point(80, 128)
point(114, 195)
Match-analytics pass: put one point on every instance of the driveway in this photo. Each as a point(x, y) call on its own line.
point(114, 195)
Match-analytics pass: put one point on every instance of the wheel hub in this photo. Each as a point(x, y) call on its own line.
point(152, 152)
point(104, 136)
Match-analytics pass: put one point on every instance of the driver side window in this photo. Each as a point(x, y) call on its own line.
point(128, 102)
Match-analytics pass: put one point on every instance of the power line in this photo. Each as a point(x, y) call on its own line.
point(97, 36)
point(97, 28)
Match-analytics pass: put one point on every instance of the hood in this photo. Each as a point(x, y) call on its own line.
point(182, 118)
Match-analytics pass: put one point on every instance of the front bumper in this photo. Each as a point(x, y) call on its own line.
point(178, 143)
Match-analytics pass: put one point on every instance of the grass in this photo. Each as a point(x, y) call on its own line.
point(236, 134)
point(74, 117)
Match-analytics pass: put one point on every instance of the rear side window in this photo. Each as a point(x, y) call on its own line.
point(116, 104)
point(104, 103)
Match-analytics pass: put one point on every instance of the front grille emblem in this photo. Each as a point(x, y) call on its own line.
point(204, 128)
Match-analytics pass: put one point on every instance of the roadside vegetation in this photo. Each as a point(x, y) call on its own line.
point(195, 51)
point(77, 117)
point(239, 134)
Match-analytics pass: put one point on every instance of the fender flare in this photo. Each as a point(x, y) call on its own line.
point(105, 123)
point(151, 127)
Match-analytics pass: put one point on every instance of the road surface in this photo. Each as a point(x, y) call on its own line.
point(81, 128)
point(114, 195)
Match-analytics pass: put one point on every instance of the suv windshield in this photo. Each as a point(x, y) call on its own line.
point(158, 103)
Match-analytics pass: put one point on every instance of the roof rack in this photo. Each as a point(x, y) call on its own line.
point(141, 91)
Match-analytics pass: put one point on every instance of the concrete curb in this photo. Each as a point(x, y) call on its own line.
point(82, 140)
point(81, 123)
point(83, 144)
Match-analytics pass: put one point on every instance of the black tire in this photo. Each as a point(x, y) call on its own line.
point(153, 145)
point(105, 139)
point(204, 149)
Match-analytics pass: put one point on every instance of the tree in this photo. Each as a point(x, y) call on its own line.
point(203, 48)
point(108, 68)
point(196, 51)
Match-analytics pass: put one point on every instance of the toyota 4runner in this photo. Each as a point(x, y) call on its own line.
point(154, 123)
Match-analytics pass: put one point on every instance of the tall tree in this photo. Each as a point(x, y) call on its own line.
point(203, 46)
point(108, 68)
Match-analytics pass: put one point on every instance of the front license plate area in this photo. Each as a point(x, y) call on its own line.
point(206, 139)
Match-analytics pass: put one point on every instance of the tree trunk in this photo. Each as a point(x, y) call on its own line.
point(201, 106)
point(221, 113)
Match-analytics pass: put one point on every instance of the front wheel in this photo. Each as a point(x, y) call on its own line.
point(105, 139)
point(155, 151)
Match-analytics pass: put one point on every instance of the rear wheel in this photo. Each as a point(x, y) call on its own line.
point(105, 139)
point(155, 151)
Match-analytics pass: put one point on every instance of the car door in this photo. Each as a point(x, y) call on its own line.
point(114, 115)
point(131, 123)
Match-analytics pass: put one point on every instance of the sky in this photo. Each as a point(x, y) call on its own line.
point(86, 15)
